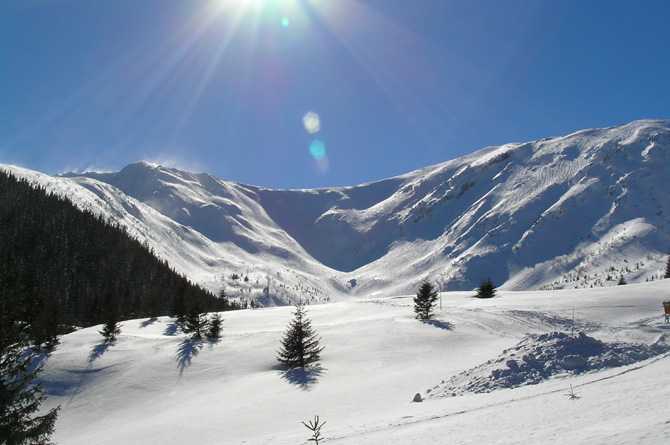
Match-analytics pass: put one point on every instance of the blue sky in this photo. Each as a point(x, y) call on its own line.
point(225, 86)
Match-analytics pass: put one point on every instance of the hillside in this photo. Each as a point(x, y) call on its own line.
point(564, 212)
point(62, 268)
point(155, 386)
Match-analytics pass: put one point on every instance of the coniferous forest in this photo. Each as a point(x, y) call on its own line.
point(64, 268)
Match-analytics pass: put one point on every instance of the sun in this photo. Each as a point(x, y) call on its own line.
point(259, 7)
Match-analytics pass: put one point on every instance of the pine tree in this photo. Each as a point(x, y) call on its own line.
point(486, 289)
point(67, 258)
point(111, 329)
point(223, 297)
point(195, 322)
point(178, 305)
point(45, 324)
point(424, 301)
point(667, 269)
point(300, 345)
point(153, 303)
point(214, 330)
point(622, 281)
point(20, 397)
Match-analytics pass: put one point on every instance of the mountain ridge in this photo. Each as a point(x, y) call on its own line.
point(552, 213)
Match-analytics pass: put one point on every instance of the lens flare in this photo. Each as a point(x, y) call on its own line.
point(285, 22)
point(318, 150)
point(312, 122)
point(321, 166)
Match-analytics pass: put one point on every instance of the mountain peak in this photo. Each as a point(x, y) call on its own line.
point(573, 210)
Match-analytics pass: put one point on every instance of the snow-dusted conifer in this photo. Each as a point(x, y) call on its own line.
point(486, 289)
point(425, 301)
point(300, 345)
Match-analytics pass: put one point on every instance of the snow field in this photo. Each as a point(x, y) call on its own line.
point(154, 386)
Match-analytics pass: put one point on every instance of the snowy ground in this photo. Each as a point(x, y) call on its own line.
point(156, 387)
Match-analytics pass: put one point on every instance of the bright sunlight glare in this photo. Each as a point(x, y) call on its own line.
point(259, 6)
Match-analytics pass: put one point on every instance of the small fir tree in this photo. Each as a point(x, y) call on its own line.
point(214, 327)
point(194, 323)
point(622, 281)
point(111, 329)
point(424, 301)
point(300, 345)
point(315, 428)
point(486, 289)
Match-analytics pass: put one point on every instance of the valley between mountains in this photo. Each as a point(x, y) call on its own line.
point(586, 362)
point(576, 211)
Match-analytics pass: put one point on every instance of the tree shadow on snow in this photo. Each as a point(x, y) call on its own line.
point(149, 322)
point(304, 378)
point(97, 351)
point(188, 349)
point(212, 342)
point(171, 329)
point(439, 324)
point(38, 358)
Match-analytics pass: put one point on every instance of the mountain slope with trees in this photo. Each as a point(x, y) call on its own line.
point(575, 211)
point(68, 268)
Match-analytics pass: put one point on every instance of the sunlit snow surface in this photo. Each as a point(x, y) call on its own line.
point(154, 386)
point(565, 212)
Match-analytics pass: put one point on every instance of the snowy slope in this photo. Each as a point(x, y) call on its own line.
point(564, 212)
point(154, 386)
point(259, 252)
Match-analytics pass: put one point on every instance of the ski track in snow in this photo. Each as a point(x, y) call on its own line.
point(506, 404)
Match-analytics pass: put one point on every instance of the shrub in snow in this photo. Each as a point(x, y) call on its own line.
point(486, 289)
point(315, 428)
point(572, 394)
point(300, 345)
point(424, 301)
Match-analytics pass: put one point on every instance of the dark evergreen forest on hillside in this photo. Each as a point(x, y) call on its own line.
point(66, 268)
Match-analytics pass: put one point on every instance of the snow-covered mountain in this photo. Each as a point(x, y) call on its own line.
point(570, 211)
